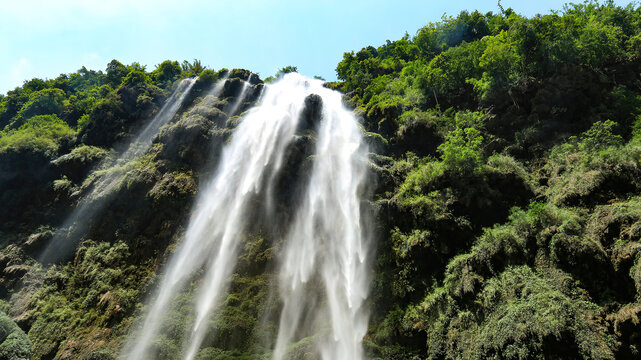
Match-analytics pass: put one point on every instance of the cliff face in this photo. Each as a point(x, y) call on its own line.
point(135, 209)
point(506, 154)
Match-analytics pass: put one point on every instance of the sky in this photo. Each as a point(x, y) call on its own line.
point(44, 38)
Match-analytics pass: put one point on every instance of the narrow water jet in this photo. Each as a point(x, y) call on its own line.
point(219, 218)
point(218, 87)
point(329, 243)
point(70, 233)
point(231, 111)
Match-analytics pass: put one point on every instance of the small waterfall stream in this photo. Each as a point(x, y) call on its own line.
point(68, 236)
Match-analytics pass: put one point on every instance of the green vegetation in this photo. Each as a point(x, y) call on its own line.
point(60, 138)
point(14, 344)
point(511, 145)
point(508, 164)
point(41, 133)
point(285, 70)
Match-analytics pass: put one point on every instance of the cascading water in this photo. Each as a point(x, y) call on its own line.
point(328, 240)
point(65, 240)
point(326, 237)
point(211, 240)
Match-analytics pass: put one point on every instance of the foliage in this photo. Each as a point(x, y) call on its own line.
point(461, 151)
point(167, 71)
point(115, 72)
point(43, 102)
point(100, 289)
point(288, 69)
point(42, 133)
point(484, 114)
point(193, 68)
point(508, 181)
point(518, 315)
point(136, 77)
point(14, 344)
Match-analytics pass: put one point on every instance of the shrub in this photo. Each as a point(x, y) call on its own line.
point(14, 344)
point(599, 137)
point(519, 314)
point(43, 102)
point(42, 133)
point(136, 77)
point(461, 152)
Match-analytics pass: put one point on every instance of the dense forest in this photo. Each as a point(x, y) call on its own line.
point(506, 162)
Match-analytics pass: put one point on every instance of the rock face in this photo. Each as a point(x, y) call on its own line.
point(25, 179)
point(191, 140)
point(312, 113)
point(77, 164)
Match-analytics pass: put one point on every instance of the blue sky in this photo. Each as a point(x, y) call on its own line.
point(43, 38)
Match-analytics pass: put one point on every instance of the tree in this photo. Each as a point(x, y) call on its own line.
point(167, 71)
point(115, 72)
point(136, 77)
point(43, 102)
point(192, 69)
point(288, 69)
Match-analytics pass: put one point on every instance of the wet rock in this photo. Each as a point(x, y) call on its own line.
point(376, 143)
point(232, 87)
point(36, 242)
point(208, 108)
point(77, 163)
point(190, 141)
point(311, 114)
point(246, 75)
point(15, 271)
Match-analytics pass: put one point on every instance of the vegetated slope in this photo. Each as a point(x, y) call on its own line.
point(508, 192)
point(52, 158)
point(510, 186)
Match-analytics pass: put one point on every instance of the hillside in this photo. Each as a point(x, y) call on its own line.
point(505, 183)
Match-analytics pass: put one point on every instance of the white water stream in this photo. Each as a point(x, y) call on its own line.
point(326, 239)
point(66, 239)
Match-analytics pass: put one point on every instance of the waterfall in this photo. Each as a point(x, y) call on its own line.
point(212, 236)
point(326, 238)
point(67, 237)
point(329, 241)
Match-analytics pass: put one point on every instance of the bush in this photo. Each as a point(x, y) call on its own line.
point(136, 77)
point(461, 152)
point(520, 314)
point(42, 133)
point(43, 102)
point(14, 344)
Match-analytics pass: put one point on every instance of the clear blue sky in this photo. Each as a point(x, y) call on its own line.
point(43, 38)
